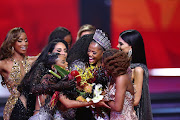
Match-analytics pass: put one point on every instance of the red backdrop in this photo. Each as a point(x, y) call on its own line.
point(159, 23)
point(38, 18)
point(156, 20)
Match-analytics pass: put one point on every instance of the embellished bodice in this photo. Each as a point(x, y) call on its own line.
point(18, 71)
point(143, 110)
point(129, 98)
point(127, 112)
point(15, 75)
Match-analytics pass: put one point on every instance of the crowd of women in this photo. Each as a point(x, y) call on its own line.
point(32, 86)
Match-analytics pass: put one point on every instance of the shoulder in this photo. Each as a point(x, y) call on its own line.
point(138, 70)
point(1, 64)
point(31, 59)
point(4, 62)
point(6, 66)
point(141, 65)
point(122, 82)
point(122, 79)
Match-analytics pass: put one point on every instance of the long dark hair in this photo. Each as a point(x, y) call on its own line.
point(59, 33)
point(48, 49)
point(38, 68)
point(135, 40)
point(79, 50)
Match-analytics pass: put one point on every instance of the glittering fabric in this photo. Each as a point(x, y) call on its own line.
point(43, 114)
point(14, 80)
point(127, 112)
point(143, 110)
point(19, 112)
point(46, 113)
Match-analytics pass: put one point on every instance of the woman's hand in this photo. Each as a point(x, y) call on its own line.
point(102, 104)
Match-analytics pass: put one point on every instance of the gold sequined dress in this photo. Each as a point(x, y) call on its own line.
point(14, 79)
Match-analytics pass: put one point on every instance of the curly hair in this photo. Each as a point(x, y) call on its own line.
point(116, 62)
point(79, 50)
point(12, 36)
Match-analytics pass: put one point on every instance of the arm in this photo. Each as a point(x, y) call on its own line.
point(45, 88)
point(1, 66)
point(138, 82)
point(72, 103)
point(102, 103)
point(121, 86)
point(32, 59)
point(5, 69)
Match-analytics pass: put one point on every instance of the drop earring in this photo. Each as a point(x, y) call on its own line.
point(130, 52)
point(12, 50)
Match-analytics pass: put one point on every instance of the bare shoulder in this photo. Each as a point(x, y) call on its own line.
point(122, 78)
point(2, 62)
point(138, 70)
point(5, 64)
point(31, 59)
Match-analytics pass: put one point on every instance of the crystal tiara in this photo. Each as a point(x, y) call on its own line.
point(101, 39)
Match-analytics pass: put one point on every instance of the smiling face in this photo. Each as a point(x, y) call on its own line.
point(122, 45)
point(21, 44)
point(61, 49)
point(61, 61)
point(95, 53)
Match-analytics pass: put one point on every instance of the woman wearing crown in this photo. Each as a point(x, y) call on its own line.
point(88, 50)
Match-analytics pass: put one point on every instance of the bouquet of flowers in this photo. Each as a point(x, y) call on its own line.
point(91, 83)
point(88, 90)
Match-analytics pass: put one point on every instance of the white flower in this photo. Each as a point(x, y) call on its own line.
point(97, 98)
point(98, 118)
point(96, 94)
point(88, 99)
point(98, 89)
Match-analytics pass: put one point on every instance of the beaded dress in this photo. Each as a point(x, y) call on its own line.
point(46, 112)
point(127, 112)
point(143, 110)
point(14, 79)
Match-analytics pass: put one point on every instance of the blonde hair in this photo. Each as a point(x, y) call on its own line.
point(84, 28)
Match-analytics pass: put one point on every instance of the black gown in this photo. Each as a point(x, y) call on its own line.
point(20, 112)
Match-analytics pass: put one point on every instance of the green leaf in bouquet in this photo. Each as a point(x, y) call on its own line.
point(61, 71)
point(55, 74)
point(81, 93)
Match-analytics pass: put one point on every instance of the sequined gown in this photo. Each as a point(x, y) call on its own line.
point(46, 112)
point(127, 112)
point(14, 79)
point(143, 110)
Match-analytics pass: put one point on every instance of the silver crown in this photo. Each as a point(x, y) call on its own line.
point(101, 39)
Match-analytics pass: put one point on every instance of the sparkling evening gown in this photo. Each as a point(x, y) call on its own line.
point(127, 112)
point(14, 79)
point(143, 110)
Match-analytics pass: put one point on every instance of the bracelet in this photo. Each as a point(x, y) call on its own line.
point(36, 110)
